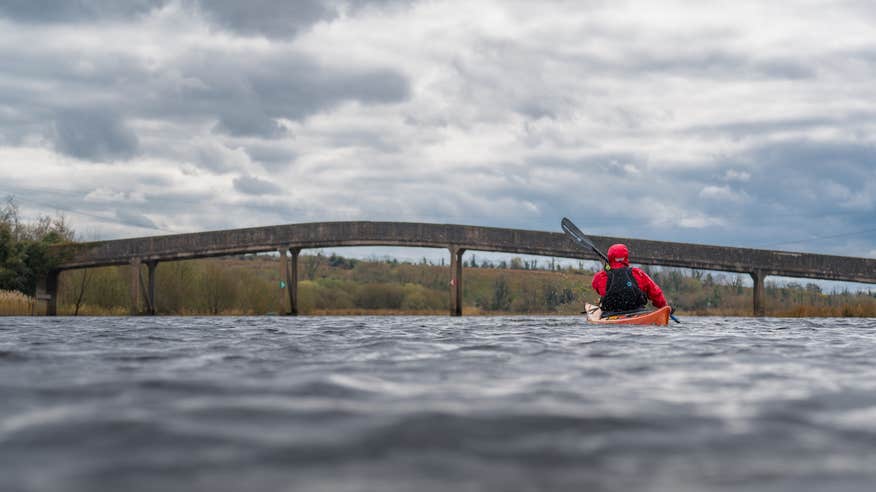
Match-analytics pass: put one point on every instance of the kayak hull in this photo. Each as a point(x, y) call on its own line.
point(659, 317)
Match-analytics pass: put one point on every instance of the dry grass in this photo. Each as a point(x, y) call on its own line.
point(845, 311)
point(856, 310)
point(14, 303)
point(375, 312)
point(92, 310)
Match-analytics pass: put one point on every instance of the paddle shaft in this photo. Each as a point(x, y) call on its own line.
point(572, 231)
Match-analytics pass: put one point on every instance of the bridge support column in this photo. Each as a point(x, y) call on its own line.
point(292, 280)
point(150, 290)
point(285, 308)
point(135, 286)
point(759, 295)
point(456, 281)
point(47, 290)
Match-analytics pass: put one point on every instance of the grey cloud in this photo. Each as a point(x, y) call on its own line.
point(305, 88)
point(787, 69)
point(74, 10)
point(368, 139)
point(281, 18)
point(722, 63)
point(216, 157)
point(360, 4)
point(797, 188)
point(246, 118)
point(271, 157)
point(268, 17)
point(94, 135)
point(135, 219)
point(247, 94)
point(800, 174)
point(536, 109)
point(271, 18)
point(610, 163)
point(863, 8)
point(748, 128)
point(251, 185)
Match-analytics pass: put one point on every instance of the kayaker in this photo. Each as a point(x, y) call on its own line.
point(625, 288)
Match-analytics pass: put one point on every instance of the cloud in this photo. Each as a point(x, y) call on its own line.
point(734, 175)
point(94, 135)
point(135, 219)
point(712, 62)
point(234, 89)
point(659, 120)
point(281, 19)
point(247, 119)
point(75, 10)
point(267, 17)
point(811, 175)
point(249, 93)
point(106, 195)
point(273, 156)
point(251, 185)
point(721, 193)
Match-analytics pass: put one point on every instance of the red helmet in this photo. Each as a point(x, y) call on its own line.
point(618, 256)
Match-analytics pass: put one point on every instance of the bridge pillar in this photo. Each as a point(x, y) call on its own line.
point(759, 295)
point(47, 290)
point(134, 286)
point(150, 291)
point(456, 281)
point(292, 280)
point(285, 308)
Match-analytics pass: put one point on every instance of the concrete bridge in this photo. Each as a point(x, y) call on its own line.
point(290, 239)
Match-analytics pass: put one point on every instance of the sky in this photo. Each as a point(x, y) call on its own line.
point(743, 123)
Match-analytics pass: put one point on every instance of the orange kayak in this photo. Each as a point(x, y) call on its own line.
point(658, 317)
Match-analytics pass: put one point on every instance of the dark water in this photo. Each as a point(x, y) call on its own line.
point(434, 404)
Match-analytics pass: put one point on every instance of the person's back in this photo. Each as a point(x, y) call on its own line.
point(625, 288)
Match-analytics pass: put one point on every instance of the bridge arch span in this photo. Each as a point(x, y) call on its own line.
point(290, 239)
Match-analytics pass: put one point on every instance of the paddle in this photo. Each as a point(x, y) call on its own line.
point(573, 232)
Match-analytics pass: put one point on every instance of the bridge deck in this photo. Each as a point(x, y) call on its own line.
point(290, 239)
point(461, 237)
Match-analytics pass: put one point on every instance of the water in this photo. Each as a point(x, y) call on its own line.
point(435, 404)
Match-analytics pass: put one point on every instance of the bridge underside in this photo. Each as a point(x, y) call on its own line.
point(289, 240)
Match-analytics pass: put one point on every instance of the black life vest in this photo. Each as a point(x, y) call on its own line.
point(622, 292)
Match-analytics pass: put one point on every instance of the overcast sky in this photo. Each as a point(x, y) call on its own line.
point(743, 123)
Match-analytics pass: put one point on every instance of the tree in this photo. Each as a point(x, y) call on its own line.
point(311, 264)
point(84, 276)
point(25, 253)
point(501, 295)
point(219, 290)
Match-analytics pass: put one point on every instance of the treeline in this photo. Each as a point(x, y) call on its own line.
point(24, 248)
point(337, 285)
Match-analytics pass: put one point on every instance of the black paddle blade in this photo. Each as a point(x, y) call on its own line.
point(572, 231)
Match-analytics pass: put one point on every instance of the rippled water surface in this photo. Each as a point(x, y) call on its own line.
point(436, 403)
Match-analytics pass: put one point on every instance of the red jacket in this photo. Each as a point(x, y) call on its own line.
point(651, 289)
point(619, 257)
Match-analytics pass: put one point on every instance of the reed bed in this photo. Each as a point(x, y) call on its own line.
point(14, 303)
